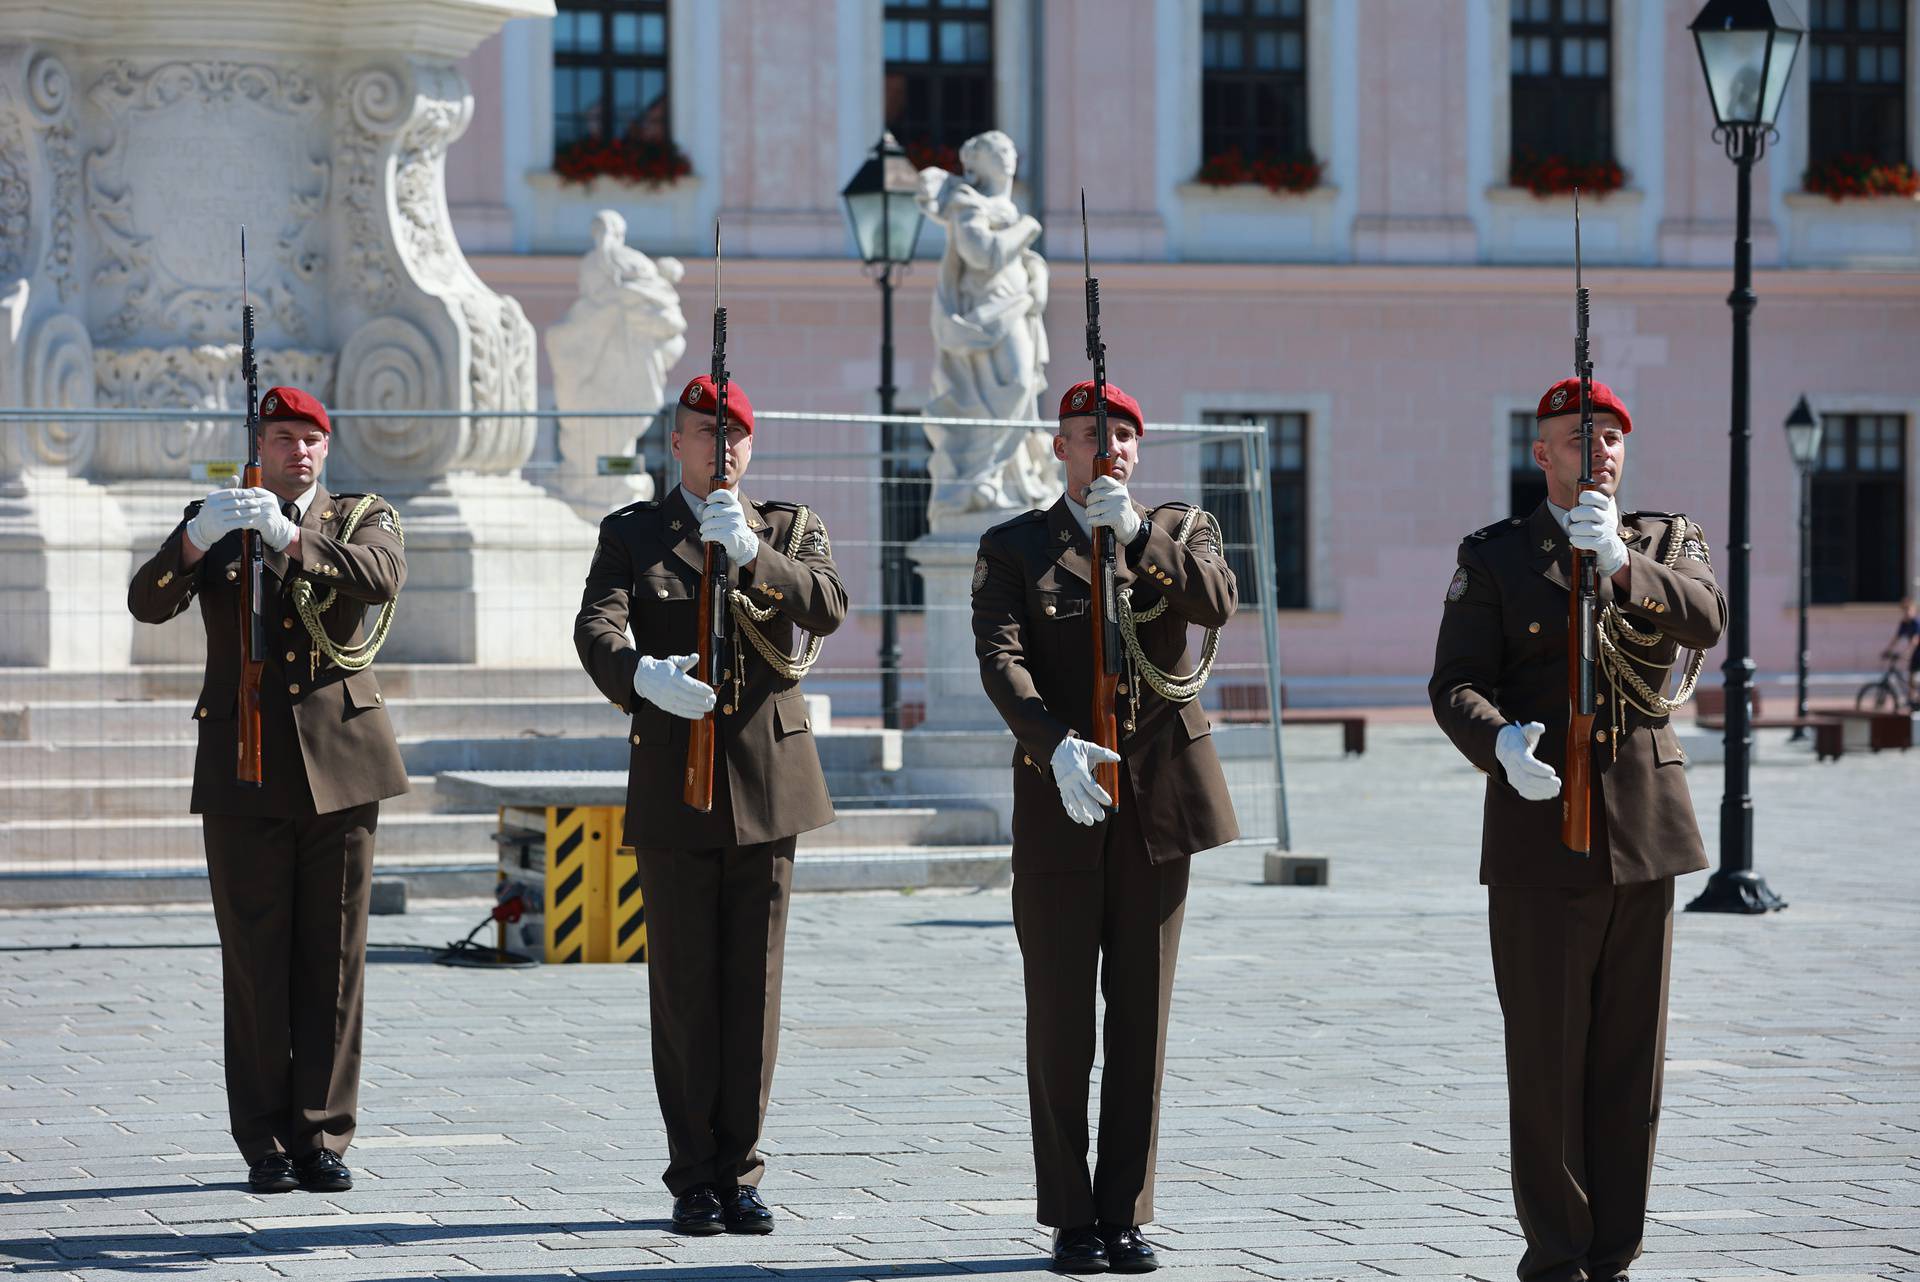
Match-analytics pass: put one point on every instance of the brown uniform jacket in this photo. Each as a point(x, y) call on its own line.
point(646, 574)
point(1032, 588)
point(1502, 657)
point(326, 741)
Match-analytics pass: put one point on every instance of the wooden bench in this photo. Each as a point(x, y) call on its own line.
point(1247, 702)
point(1880, 730)
point(1829, 734)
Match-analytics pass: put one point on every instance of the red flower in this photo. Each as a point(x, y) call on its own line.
point(633, 160)
point(1555, 175)
point(933, 155)
point(1855, 175)
point(1231, 168)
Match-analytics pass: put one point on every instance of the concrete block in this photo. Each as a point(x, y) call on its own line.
point(1285, 868)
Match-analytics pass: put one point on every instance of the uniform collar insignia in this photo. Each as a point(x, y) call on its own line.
point(1547, 545)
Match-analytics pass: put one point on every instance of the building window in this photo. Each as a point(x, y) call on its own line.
point(1562, 90)
point(1857, 96)
point(1860, 509)
point(905, 488)
point(1223, 492)
point(610, 73)
point(1526, 483)
point(939, 77)
point(1253, 80)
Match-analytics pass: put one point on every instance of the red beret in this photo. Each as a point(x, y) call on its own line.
point(1079, 400)
point(700, 395)
point(291, 402)
point(1564, 398)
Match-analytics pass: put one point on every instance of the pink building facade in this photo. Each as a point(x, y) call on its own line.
point(1405, 308)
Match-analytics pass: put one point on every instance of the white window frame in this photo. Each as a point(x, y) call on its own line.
point(1251, 224)
point(1514, 225)
point(1323, 580)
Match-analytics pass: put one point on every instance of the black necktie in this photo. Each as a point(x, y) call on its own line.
point(291, 511)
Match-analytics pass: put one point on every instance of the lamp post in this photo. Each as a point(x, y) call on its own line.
point(886, 225)
point(1804, 431)
point(1746, 50)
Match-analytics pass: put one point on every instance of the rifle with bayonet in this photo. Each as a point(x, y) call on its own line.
point(713, 665)
point(253, 617)
point(1105, 614)
point(1583, 603)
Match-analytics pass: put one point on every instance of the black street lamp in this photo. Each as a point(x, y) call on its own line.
point(1746, 49)
point(1803, 441)
point(886, 224)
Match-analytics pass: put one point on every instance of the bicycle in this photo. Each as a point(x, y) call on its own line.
point(1889, 692)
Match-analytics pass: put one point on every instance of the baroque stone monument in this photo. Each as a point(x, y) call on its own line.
point(134, 141)
point(612, 351)
point(990, 364)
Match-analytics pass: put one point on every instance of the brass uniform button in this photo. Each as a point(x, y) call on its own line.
point(166, 578)
point(636, 740)
point(727, 709)
point(1600, 735)
point(1023, 756)
point(1599, 699)
point(661, 593)
point(1122, 687)
point(286, 623)
point(291, 656)
point(293, 689)
point(232, 574)
point(201, 713)
point(378, 698)
point(1533, 627)
point(1050, 610)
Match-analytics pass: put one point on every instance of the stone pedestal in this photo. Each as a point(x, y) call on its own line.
point(64, 568)
point(944, 560)
point(134, 141)
point(494, 568)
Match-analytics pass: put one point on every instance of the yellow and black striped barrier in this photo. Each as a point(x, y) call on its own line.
point(589, 898)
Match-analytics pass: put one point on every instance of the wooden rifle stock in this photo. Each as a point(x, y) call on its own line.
point(698, 788)
point(1583, 604)
point(715, 588)
point(1106, 623)
point(248, 769)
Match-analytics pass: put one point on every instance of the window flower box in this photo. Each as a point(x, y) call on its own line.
point(1231, 168)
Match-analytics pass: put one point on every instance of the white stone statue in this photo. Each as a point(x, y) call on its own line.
point(990, 343)
point(614, 347)
point(612, 352)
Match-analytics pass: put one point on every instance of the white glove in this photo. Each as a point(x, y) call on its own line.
point(1109, 504)
point(1531, 777)
point(665, 684)
point(724, 521)
point(1086, 802)
point(263, 514)
point(1594, 526)
point(221, 513)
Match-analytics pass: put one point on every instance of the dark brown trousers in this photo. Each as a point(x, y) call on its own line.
point(1582, 977)
point(716, 942)
point(290, 901)
point(1116, 926)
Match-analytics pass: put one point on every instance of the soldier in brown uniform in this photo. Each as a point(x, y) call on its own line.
point(1098, 896)
point(716, 884)
point(290, 860)
point(1581, 946)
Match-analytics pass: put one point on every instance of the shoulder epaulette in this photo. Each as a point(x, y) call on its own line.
point(781, 504)
point(644, 505)
point(1657, 516)
point(1506, 526)
point(1179, 504)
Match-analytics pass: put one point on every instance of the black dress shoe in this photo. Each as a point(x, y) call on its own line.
point(1127, 1251)
point(273, 1174)
point(1079, 1250)
point(746, 1213)
point(322, 1172)
point(697, 1211)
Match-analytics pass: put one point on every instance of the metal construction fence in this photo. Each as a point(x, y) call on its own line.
point(97, 733)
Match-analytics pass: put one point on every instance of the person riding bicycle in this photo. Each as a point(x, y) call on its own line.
point(1907, 634)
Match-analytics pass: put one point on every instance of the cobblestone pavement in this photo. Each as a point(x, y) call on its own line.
point(1335, 1104)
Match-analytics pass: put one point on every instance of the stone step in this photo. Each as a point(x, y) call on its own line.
point(493, 717)
point(41, 845)
point(398, 680)
point(66, 798)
